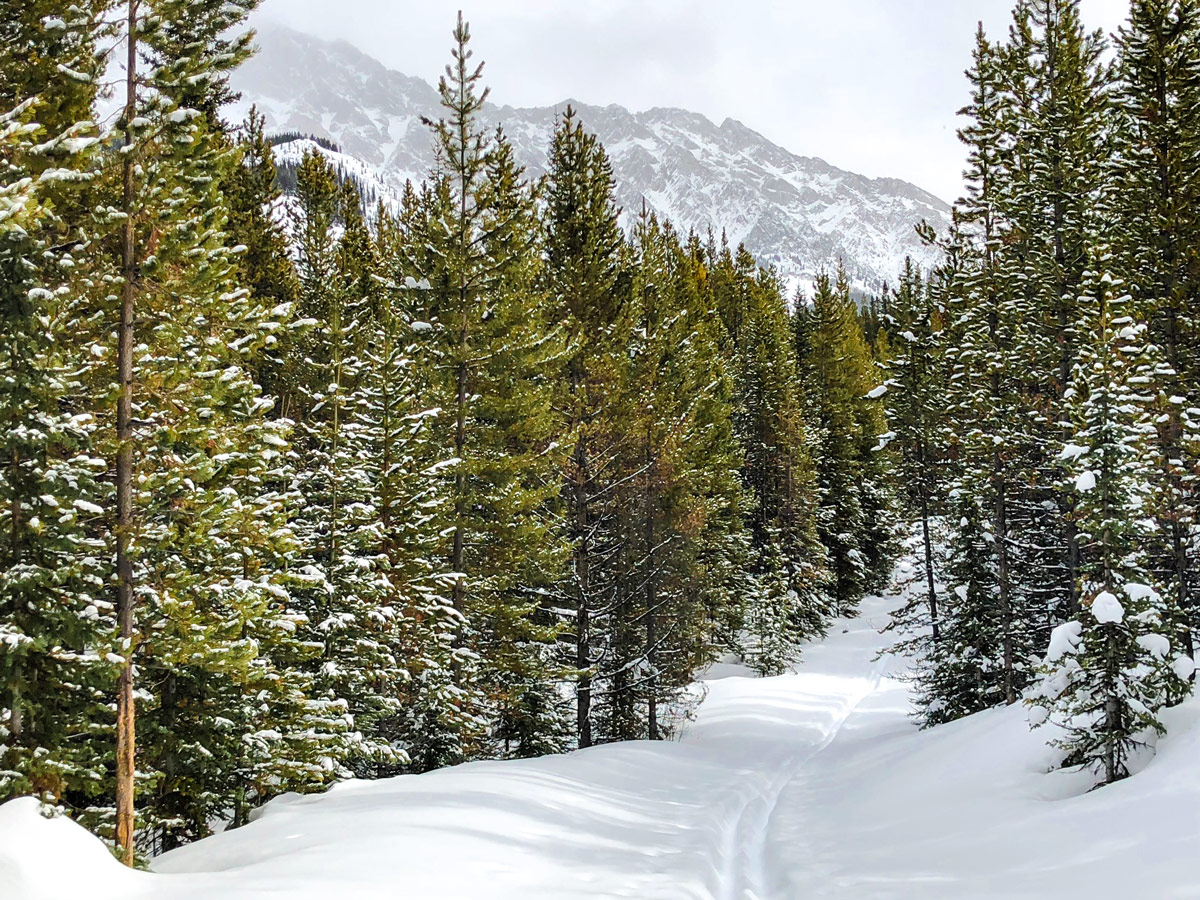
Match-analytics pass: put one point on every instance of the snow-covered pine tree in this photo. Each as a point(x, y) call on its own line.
point(855, 521)
point(588, 294)
point(440, 723)
point(1111, 670)
point(1057, 93)
point(915, 399)
point(56, 621)
point(513, 459)
point(711, 585)
point(777, 468)
point(678, 493)
point(361, 664)
point(989, 620)
point(191, 438)
point(265, 266)
point(1158, 244)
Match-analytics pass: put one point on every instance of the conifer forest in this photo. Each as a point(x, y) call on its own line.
point(302, 487)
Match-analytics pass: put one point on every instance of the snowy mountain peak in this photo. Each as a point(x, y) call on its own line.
point(797, 213)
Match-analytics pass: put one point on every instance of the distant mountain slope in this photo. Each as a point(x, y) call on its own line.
point(794, 212)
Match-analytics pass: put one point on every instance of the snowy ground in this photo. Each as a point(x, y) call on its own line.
point(810, 785)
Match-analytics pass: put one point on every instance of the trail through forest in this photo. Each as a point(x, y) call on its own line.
point(812, 784)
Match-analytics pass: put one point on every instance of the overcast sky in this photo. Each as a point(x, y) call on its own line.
point(868, 85)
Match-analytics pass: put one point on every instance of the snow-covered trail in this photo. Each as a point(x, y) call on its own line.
point(690, 819)
point(811, 785)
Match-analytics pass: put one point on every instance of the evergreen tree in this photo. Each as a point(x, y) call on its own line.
point(1109, 672)
point(778, 469)
point(1157, 241)
point(513, 460)
point(344, 586)
point(588, 295)
point(55, 620)
point(678, 496)
point(439, 723)
point(1058, 92)
point(264, 264)
point(854, 518)
point(190, 440)
point(493, 358)
point(915, 387)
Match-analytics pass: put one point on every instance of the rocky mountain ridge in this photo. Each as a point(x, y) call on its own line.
point(799, 214)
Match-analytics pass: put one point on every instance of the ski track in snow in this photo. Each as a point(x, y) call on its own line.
point(747, 875)
point(815, 784)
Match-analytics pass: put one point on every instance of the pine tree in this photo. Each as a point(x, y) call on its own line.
point(344, 595)
point(586, 288)
point(854, 519)
point(55, 676)
point(1109, 672)
point(190, 440)
point(1157, 196)
point(513, 460)
point(679, 500)
point(986, 633)
point(494, 354)
point(439, 723)
point(264, 265)
point(778, 467)
point(1059, 100)
point(915, 387)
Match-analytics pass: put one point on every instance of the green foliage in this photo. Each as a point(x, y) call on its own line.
point(390, 486)
point(854, 518)
point(56, 624)
point(1069, 425)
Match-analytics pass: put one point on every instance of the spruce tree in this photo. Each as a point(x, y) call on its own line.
point(1156, 201)
point(587, 291)
point(789, 577)
point(55, 675)
point(1109, 672)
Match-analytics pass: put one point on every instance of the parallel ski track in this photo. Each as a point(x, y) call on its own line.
point(744, 873)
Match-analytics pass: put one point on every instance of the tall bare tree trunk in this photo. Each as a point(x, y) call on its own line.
point(125, 701)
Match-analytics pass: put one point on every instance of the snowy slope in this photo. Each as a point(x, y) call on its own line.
point(812, 785)
point(796, 212)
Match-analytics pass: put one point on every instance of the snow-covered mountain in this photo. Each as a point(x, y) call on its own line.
point(797, 213)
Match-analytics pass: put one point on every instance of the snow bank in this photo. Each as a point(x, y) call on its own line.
point(55, 859)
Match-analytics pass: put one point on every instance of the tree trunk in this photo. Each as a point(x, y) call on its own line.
point(929, 580)
point(583, 650)
point(458, 552)
point(651, 601)
point(124, 468)
point(1002, 574)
